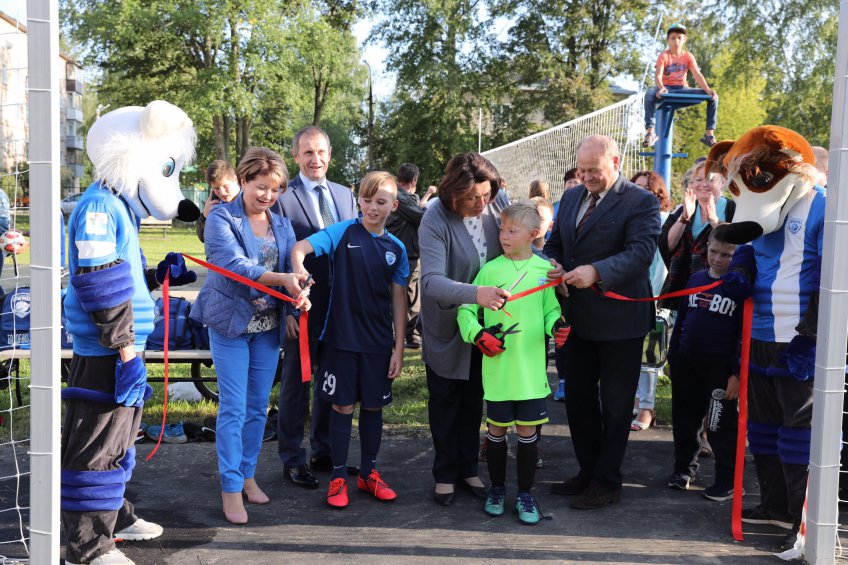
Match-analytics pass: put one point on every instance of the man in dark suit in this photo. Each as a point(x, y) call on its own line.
point(403, 224)
point(311, 203)
point(605, 234)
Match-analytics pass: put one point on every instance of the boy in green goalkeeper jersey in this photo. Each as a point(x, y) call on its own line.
point(515, 381)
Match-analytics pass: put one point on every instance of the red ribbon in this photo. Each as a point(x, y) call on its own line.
point(303, 338)
point(613, 295)
point(747, 318)
point(166, 307)
point(739, 472)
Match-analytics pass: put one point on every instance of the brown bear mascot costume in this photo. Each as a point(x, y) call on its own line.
point(780, 211)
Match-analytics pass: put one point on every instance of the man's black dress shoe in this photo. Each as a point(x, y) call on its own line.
point(595, 496)
point(444, 499)
point(477, 492)
point(325, 465)
point(572, 486)
point(300, 475)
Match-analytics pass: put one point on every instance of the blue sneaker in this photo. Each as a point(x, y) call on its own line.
point(526, 508)
point(174, 433)
point(495, 501)
point(559, 394)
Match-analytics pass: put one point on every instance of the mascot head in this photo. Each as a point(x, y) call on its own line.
point(768, 169)
point(139, 152)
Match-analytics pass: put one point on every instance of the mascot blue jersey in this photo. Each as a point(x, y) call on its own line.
point(788, 270)
point(102, 230)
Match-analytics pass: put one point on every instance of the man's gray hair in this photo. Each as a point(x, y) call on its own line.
point(604, 142)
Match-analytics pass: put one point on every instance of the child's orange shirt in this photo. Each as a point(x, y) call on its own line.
point(675, 67)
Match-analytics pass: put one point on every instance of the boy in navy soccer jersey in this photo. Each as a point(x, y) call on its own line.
point(362, 341)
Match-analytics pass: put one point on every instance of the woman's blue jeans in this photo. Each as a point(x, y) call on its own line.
point(245, 366)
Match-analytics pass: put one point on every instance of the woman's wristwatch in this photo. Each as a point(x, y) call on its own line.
point(683, 220)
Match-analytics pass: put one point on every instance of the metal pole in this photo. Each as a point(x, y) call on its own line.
point(480, 130)
point(665, 139)
point(44, 160)
point(370, 118)
point(828, 391)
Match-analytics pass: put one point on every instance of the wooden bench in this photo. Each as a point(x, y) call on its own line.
point(198, 358)
point(151, 223)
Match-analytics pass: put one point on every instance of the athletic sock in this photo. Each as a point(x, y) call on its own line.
point(370, 436)
point(528, 454)
point(496, 459)
point(340, 427)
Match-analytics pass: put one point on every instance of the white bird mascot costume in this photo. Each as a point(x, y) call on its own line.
point(138, 154)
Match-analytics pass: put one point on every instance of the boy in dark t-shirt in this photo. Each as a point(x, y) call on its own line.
point(703, 361)
point(363, 336)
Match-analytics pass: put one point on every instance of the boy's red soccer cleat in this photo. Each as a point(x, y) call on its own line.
point(376, 486)
point(337, 493)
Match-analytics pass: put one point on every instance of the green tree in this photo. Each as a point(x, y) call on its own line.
point(240, 68)
point(562, 55)
point(437, 50)
point(791, 44)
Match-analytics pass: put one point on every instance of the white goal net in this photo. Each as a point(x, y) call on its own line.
point(14, 378)
point(547, 155)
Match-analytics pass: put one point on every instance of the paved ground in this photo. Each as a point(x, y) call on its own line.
point(652, 524)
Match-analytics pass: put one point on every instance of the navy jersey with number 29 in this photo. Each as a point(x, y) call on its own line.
point(364, 267)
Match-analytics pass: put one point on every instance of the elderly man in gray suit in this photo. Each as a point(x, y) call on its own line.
point(604, 235)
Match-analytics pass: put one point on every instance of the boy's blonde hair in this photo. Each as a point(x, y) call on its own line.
point(523, 212)
point(540, 202)
point(371, 182)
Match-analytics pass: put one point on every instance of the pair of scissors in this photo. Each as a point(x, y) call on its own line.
point(510, 330)
point(515, 284)
point(306, 285)
point(518, 280)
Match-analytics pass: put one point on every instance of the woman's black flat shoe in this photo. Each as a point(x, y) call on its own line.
point(443, 499)
point(477, 492)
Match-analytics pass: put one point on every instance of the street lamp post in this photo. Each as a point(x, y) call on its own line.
point(370, 118)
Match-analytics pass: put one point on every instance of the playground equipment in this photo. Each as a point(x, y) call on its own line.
point(666, 106)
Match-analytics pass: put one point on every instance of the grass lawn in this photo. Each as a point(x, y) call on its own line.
point(407, 414)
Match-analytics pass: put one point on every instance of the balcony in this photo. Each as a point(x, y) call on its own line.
point(72, 85)
point(77, 170)
point(73, 114)
point(74, 142)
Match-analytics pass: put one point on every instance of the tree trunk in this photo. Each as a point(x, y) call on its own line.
point(243, 125)
point(221, 132)
point(321, 90)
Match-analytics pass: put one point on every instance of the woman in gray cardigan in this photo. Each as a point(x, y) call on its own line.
point(458, 234)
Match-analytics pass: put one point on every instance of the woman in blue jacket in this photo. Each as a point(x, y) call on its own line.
point(245, 329)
